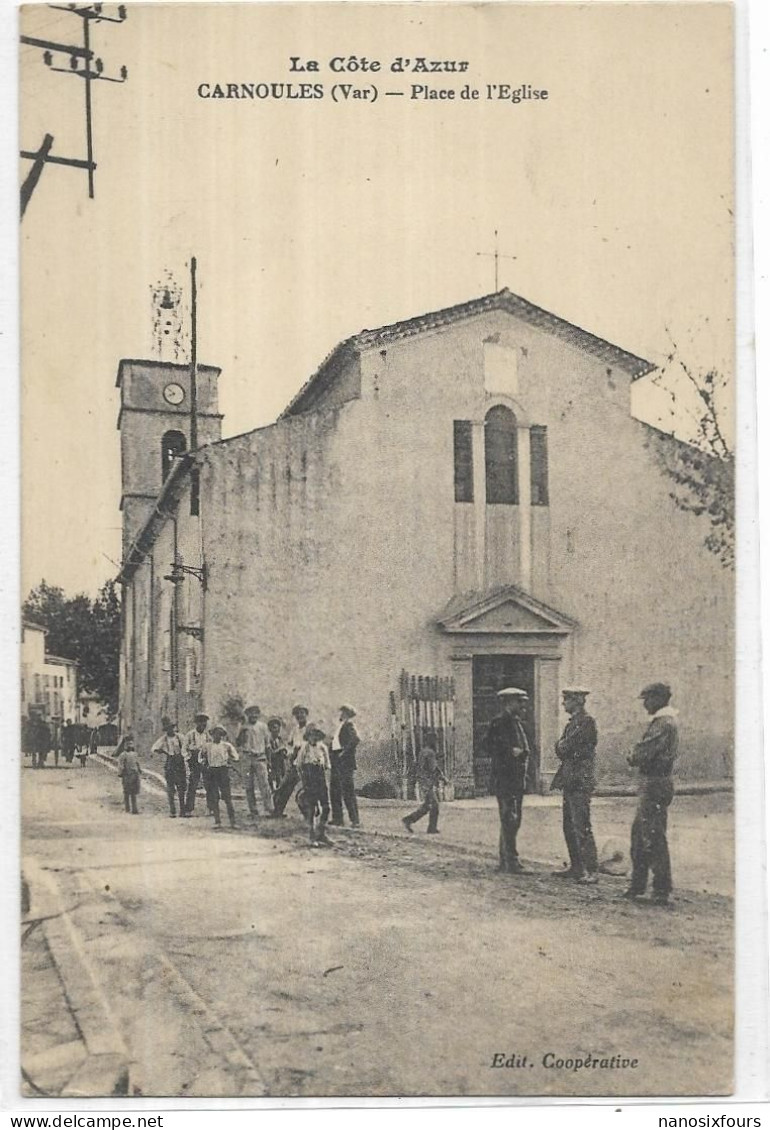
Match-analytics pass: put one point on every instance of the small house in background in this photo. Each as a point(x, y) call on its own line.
point(451, 504)
point(49, 683)
point(92, 711)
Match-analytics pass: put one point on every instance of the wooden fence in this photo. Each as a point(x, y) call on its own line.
point(423, 704)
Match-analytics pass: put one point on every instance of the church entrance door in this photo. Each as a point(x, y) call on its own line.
point(490, 674)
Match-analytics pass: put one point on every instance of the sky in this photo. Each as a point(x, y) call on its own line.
point(312, 220)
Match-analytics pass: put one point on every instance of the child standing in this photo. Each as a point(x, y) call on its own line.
point(130, 774)
point(313, 765)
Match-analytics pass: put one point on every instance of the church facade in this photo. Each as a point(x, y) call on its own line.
point(464, 495)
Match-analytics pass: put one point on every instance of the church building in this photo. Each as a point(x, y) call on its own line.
point(458, 502)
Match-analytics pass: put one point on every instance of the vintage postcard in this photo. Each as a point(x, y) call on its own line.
point(378, 550)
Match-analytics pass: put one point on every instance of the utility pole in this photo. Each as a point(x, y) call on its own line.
point(193, 356)
point(497, 257)
point(195, 482)
point(90, 71)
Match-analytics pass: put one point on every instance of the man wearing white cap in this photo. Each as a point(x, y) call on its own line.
point(576, 750)
point(509, 746)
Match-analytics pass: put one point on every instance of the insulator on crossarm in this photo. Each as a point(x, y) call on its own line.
point(48, 58)
point(74, 62)
point(124, 72)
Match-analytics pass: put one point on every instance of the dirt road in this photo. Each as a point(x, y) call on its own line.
point(246, 963)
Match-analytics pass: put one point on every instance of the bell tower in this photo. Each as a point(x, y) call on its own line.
point(154, 425)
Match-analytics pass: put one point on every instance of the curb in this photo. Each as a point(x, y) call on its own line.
point(105, 1070)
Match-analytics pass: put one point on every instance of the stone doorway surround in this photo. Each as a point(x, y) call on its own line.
point(506, 621)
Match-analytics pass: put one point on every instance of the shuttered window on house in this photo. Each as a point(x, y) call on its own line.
point(538, 447)
point(463, 461)
point(500, 456)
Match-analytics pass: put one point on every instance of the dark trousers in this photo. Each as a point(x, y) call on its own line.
point(343, 788)
point(316, 799)
point(130, 790)
point(206, 773)
point(219, 780)
point(175, 786)
point(193, 781)
point(282, 795)
point(576, 822)
point(278, 763)
point(429, 808)
point(509, 807)
point(649, 845)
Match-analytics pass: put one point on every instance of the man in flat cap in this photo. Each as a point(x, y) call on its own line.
point(343, 762)
point(509, 746)
point(576, 750)
point(194, 741)
point(654, 757)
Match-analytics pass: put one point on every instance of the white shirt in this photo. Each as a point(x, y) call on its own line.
point(297, 736)
point(195, 740)
point(316, 754)
point(218, 754)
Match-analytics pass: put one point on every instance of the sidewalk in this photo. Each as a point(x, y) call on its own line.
point(70, 1046)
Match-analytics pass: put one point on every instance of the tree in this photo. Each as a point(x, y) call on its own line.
point(703, 469)
point(82, 629)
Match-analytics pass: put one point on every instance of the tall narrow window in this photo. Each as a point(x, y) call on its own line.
point(463, 461)
point(500, 456)
point(538, 447)
point(172, 446)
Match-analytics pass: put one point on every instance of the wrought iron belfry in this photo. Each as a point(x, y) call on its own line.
point(168, 319)
point(83, 63)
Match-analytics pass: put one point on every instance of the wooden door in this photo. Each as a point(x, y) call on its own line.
point(490, 674)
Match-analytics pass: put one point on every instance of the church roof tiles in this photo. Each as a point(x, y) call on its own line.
point(504, 300)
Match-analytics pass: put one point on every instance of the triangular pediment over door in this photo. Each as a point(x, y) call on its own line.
point(503, 611)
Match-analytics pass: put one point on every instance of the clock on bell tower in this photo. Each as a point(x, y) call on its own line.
point(154, 425)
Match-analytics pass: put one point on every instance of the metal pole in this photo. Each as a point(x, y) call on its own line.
point(89, 136)
point(33, 176)
point(193, 357)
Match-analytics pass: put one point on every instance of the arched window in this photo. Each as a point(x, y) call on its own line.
point(500, 456)
point(172, 446)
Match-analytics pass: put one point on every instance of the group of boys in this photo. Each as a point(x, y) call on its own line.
point(271, 767)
